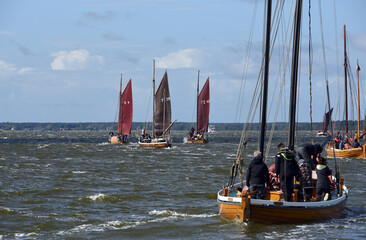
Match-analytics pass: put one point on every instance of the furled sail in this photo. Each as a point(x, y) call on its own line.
point(125, 110)
point(162, 113)
point(203, 108)
point(326, 120)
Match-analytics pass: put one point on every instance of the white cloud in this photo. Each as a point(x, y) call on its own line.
point(26, 70)
point(360, 41)
point(186, 58)
point(6, 68)
point(74, 60)
point(2, 32)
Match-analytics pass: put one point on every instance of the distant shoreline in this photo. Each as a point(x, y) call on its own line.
point(110, 126)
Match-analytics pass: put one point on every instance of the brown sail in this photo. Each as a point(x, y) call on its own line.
point(162, 113)
point(203, 107)
point(326, 120)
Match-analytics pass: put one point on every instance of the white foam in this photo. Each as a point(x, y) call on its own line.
point(78, 172)
point(97, 196)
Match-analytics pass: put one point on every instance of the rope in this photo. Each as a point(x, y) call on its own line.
point(310, 72)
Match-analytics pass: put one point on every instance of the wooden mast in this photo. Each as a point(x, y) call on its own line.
point(294, 73)
point(153, 119)
point(345, 82)
point(198, 93)
point(120, 113)
point(358, 97)
point(265, 80)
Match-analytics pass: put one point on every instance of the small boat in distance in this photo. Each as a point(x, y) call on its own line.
point(124, 116)
point(203, 112)
point(327, 117)
point(211, 129)
point(161, 123)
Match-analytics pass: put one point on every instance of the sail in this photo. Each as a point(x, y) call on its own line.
point(203, 108)
point(326, 120)
point(125, 111)
point(162, 113)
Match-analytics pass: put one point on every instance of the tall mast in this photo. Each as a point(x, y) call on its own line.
point(120, 109)
point(198, 93)
point(265, 80)
point(294, 73)
point(153, 119)
point(345, 81)
point(358, 97)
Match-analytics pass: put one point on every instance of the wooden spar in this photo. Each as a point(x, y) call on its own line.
point(265, 80)
point(358, 97)
point(345, 81)
point(198, 93)
point(153, 119)
point(120, 109)
point(294, 73)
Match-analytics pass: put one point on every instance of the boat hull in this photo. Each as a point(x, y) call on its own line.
point(346, 153)
point(155, 143)
point(274, 211)
point(116, 140)
point(199, 141)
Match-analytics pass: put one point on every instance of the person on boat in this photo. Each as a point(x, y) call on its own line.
point(324, 180)
point(356, 137)
point(191, 133)
point(286, 168)
point(347, 144)
point(257, 176)
point(305, 179)
point(308, 152)
point(143, 133)
point(273, 180)
point(355, 144)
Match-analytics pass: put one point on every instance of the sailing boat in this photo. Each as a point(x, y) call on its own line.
point(358, 152)
point(203, 112)
point(161, 116)
point(327, 117)
point(124, 115)
point(273, 209)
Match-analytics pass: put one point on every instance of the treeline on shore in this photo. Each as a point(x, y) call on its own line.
point(109, 126)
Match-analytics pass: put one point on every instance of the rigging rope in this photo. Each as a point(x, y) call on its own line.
point(310, 72)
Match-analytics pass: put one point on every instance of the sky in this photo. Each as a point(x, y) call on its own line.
point(61, 61)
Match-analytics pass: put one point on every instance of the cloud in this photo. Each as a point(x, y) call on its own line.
point(74, 60)
point(2, 32)
point(24, 50)
point(360, 41)
point(7, 68)
point(186, 58)
point(99, 17)
point(113, 37)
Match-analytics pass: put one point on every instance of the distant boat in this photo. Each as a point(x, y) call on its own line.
point(124, 116)
point(358, 152)
point(203, 113)
point(327, 117)
point(161, 116)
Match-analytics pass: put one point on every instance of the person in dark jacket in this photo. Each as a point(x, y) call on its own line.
point(324, 180)
point(257, 176)
point(306, 180)
point(286, 168)
point(308, 152)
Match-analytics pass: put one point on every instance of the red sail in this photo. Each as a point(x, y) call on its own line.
point(125, 111)
point(203, 108)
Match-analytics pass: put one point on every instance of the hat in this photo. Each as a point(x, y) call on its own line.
point(301, 161)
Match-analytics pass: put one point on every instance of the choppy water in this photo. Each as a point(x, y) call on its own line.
point(73, 185)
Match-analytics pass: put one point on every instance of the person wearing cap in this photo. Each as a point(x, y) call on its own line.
point(324, 179)
point(305, 179)
point(257, 176)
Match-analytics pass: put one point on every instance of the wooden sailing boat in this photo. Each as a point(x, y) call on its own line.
point(124, 115)
point(273, 209)
point(359, 152)
point(161, 116)
point(203, 112)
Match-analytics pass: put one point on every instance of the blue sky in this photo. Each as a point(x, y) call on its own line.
point(60, 61)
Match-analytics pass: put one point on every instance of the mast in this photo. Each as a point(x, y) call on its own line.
point(153, 119)
point(294, 73)
point(345, 81)
point(120, 108)
point(198, 94)
point(265, 80)
point(358, 97)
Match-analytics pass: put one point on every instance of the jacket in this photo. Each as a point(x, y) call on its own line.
point(257, 172)
point(286, 165)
